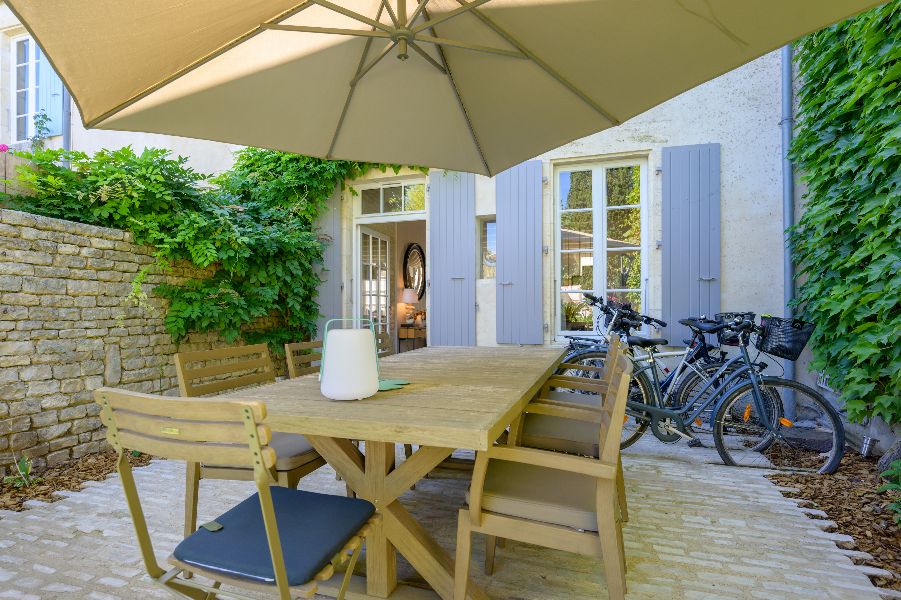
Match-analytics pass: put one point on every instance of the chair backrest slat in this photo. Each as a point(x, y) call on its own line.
point(301, 357)
point(615, 404)
point(193, 430)
point(236, 360)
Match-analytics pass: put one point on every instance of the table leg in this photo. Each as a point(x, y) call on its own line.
point(373, 479)
point(381, 558)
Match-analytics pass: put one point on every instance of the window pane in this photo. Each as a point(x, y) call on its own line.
point(488, 243)
point(414, 197)
point(624, 269)
point(623, 186)
point(633, 298)
point(370, 201)
point(576, 230)
point(21, 102)
point(393, 201)
point(575, 189)
point(21, 51)
point(21, 128)
point(575, 315)
point(22, 77)
point(623, 227)
point(577, 271)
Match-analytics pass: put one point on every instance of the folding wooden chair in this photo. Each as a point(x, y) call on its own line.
point(303, 358)
point(206, 372)
point(278, 539)
point(385, 344)
point(553, 499)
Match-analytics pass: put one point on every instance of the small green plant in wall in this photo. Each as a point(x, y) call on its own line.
point(893, 476)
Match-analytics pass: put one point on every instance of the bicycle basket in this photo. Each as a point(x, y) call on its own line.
point(784, 338)
point(726, 337)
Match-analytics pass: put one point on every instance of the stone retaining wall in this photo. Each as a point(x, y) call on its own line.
point(68, 326)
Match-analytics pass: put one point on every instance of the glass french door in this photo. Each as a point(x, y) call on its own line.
point(600, 239)
point(375, 279)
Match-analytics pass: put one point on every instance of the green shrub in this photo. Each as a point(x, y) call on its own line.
point(848, 148)
point(893, 476)
point(253, 226)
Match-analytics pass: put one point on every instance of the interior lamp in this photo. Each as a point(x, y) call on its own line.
point(409, 297)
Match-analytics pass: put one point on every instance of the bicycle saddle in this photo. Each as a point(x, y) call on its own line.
point(643, 342)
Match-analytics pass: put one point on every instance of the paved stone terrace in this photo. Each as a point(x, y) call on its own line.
point(698, 531)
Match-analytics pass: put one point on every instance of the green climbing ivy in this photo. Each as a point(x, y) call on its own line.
point(848, 242)
point(252, 227)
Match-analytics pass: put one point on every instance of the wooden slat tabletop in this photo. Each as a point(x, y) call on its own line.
point(457, 398)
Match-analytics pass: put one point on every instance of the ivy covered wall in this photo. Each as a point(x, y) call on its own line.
point(848, 241)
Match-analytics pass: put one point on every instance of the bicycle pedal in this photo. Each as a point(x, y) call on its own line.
point(696, 443)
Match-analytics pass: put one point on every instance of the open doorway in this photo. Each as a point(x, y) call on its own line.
point(384, 274)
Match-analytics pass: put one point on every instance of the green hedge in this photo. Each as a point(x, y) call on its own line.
point(254, 226)
point(848, 241)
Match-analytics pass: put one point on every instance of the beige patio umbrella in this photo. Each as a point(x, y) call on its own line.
point(471, 85)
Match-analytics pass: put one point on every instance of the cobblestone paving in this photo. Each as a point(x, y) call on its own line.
point(698, 531)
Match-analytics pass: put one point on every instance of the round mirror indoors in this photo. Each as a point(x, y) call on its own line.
point(414, 269)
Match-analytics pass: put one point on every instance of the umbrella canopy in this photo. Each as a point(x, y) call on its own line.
point(471, 85)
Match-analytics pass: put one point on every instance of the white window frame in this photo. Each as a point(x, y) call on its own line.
point(392, 217)
point(358, 278)
point(32, 89)
point(599, 167)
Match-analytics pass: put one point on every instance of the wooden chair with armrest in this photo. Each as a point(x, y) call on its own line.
point(552, 499)
point(241, 547)
point(207, 372)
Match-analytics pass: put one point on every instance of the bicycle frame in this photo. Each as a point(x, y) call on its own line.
point(688, 414)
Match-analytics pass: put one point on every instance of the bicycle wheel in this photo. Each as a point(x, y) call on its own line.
point(800, 432)
point(636, 423)
point(689, 388)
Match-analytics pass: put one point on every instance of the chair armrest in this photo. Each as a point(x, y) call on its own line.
point(553, 460)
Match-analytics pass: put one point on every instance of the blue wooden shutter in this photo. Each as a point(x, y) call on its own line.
point(452, 260)
point(691, 235)
point(50, 94)
point(331, 305)
point(520, 316)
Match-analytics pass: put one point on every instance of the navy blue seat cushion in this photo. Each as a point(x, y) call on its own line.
point(312, 527)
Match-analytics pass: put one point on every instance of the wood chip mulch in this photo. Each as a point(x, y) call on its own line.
point(850, 499)
point(67, 476)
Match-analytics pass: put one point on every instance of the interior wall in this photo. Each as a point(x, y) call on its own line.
point(406, 233)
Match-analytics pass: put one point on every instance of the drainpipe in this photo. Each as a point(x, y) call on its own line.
point(788, 190)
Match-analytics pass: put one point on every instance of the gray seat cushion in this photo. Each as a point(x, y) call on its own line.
point(563, 435)
point(292, 450)
point(540, 494)
point(312, 529)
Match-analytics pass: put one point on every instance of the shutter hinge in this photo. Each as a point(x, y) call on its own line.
point(547, 327)
point(546, 249)
point(658, 244)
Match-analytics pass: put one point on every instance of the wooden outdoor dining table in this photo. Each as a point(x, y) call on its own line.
point(457, 398)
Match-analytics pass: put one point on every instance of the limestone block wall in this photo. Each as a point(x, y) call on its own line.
point(68, 326)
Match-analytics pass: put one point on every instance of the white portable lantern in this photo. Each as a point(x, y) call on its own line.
point(349, 364)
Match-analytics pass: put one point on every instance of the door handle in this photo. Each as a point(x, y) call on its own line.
point(706, 278)
point(506, 283)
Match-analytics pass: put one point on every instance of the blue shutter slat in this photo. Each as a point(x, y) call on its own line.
point(691, 235)
point(50, 95)
point(452, 261)
point(331, 304)
point(520, 318)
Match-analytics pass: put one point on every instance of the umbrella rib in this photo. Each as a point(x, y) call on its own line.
point(419, 8)
point(370, 33)
point(544, 66)
point(453, 84)
point(199, 62)
point(350, 90)
point(372, 63)
point(428, 58)
point(466, 7)
point(353, 15)
point(467, 46)
point(387, 5)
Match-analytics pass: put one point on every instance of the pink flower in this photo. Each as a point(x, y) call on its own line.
point(4, 148)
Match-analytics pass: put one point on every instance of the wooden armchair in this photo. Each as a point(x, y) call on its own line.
point(208, 372)
point(303, 358)
point(241, 547)
point(552, 499)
